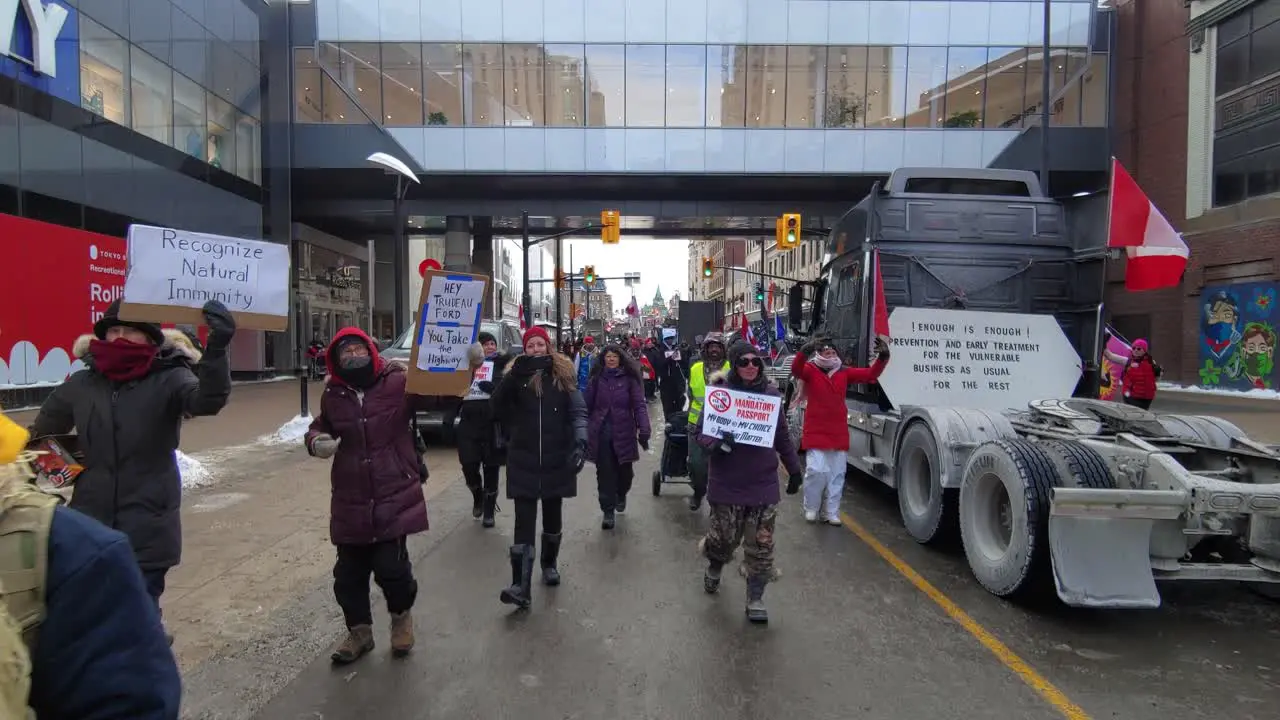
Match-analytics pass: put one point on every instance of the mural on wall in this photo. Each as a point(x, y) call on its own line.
point(1237, 336)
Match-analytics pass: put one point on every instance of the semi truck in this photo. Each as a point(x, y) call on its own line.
point(981, 421)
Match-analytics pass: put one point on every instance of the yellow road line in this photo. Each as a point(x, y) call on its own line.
point(1008, 657)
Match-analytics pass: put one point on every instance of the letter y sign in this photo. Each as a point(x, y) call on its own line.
point(46, 24)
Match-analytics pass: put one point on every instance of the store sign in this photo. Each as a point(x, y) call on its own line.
point(44, 23)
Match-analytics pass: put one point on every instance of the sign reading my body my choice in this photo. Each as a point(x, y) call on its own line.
point(450, 322)
point(751, 417)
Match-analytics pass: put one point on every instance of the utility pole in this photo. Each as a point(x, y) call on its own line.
point(573, 271)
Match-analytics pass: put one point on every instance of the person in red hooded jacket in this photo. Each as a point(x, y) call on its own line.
point(376, 480)
point(825, 437)
point(1140, 375)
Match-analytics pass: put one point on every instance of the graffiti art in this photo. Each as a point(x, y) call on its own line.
point(1237, 339)
point(1114, 356)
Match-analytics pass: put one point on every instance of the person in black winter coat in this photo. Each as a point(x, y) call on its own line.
point(479, 446)
point(673, 374)
point(545, 420)
point(127, 406)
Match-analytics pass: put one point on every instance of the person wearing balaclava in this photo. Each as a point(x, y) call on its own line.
point(479, 449)
point(825, 435)
point(672, 367)
point(127, 406)
point(545, 420)
point(376, 480)
point(742, 484)
point(712, 361)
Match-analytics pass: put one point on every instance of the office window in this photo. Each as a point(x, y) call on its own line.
point(522, 81)
point(482, 85)
point(248, 149)
point(726, 86)
point(646, 85)
point(151, 89)
point(565, 85)
point(190, 124)
point(606, 85)
point(806, 85)
point(767, 86)
point(337, 105)
point(307, 75)
point(886, 86)
point(1006, 87)
point(402, 84)
point(220, 148)
point(966, 87)
point(1246, 163)
point(1093, 100)
point(926, 86)
point(686, 85)
point(1033, 97)
point(104, 69)
point(846, 87)
point(442, 81)
point(360, 71)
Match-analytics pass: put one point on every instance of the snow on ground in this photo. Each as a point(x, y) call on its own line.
point(194, 473)
point(1259, 394)
point(290, 432)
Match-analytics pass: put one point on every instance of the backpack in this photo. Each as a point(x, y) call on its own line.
point(26, 517)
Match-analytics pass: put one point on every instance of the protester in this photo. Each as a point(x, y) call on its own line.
point(1140, 375)
point(376, 480)
point(127, 406)
point(618, 418)
point(650, 352)
point(713, 361)
point(545, 421)
point(825, 435)
point(479, 448)
point(583, 360)
point(672, 367)
point(83, 596)
point(743, 487)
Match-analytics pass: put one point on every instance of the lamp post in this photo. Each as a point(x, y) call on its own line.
point(400, 249)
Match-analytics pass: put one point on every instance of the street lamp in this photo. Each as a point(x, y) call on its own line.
point(400, 251)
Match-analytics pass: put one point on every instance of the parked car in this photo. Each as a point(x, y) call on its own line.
point(440, 416)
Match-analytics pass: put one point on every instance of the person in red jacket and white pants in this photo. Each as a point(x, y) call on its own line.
point(825, 437)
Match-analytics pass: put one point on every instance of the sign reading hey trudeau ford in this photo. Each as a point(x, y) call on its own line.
point(45, 22)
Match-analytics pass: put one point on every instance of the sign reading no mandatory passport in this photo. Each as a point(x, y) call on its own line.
point(450, 310)
point(173, 273)
point(751, 417)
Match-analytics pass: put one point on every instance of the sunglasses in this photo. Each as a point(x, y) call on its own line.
point(747, 361)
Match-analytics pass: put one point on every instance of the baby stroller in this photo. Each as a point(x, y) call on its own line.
point(675, 452)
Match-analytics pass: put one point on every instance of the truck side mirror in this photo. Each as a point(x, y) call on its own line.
point(795, 307)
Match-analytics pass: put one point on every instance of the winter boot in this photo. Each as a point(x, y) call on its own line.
point(711, 578)
point(550, 551)
point(621, 506)
point(490, 506)
point(695, 502)
point(401, 633)
point(756, 611)
point(477, 502)
point(520, 592)
point(608, 521)
point(359, 641)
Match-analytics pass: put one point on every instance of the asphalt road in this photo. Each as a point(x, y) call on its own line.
point(864, 623)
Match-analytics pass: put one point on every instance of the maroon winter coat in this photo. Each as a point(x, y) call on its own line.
point(620, 395)
point(377, 492)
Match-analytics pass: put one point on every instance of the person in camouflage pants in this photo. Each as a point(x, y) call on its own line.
point(745, 525)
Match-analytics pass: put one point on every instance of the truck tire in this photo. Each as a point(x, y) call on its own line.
point(1079, 465)
point(1004, 517)
point(1203, 429)
point(927, 509)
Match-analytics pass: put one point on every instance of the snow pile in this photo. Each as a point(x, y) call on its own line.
point(193, 472)
point(1257, 393)
point(290, 432)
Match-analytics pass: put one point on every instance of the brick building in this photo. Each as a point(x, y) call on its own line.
point(1212, 166)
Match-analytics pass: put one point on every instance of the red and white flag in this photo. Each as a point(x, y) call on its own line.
point(522, 325)
point(1157, 256)
point(880, 310)
point(747, 334)
point(633, 309)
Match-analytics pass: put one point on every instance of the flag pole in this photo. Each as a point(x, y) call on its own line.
point(1096, 383)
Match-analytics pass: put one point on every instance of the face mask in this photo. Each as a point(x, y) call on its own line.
point(354, 362)
point(1219, 332)
point(1253, 364)
point(356, 370)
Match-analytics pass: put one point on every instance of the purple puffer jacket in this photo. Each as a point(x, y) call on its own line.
point(377, 491)
point(749, 474)
point(620, 396)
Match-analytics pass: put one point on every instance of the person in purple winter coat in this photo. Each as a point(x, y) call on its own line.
point(742, 486)
point(618, 417)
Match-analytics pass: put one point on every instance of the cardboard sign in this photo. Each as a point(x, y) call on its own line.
point(450, 309)
point(173, 273)
point(484, 373)
point(971, 359)
point(751, 417)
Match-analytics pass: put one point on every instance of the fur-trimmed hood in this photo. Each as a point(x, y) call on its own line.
point(175, 341)
point(561, 371)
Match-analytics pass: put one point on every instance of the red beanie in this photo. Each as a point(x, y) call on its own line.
point(537, 331)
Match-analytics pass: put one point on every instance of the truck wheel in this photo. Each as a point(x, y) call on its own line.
point(1270, 591)
point(1079, 465)
point(1004, 516)
point(1203, 429)
point(927, 509)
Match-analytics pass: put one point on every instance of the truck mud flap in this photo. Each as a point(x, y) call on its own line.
point(1100, 542)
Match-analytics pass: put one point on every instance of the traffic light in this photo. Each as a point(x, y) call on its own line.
point(589, 275)
point(708, 267)
point(610, 227)
point(759, 293)
point(788, 231)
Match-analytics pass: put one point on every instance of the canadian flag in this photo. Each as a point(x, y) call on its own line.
point(1157, 256)
point(880, 310)
point(747, 334)
point(633, 309)
point(522, 324)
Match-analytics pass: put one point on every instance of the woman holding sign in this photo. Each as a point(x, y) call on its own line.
point(618, 416)
point(478, 448)
point(545, 421)
point(742, 476)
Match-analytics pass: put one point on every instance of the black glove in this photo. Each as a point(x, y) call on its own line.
point(578, 457)
point(727, 441)
point(793, 483)
point(529, 364)
point(1158, 370)
point(644, 442)
point(808, 349)
point(485, 386)
point(222, 326)
point(881, 348)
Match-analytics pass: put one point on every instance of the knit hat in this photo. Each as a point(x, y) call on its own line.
point(588, 340)
point(713, 338)
point(485, 337)
point(1140, 344)
point(537, 331)
point(739, 349)
point(111, 318)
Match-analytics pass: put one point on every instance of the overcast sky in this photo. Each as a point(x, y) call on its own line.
point(661, 263)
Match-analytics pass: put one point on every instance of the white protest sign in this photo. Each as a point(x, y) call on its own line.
point(484, 373)
point(450, 322)
point(751, 417)
point(982, 360)
point(175, 272)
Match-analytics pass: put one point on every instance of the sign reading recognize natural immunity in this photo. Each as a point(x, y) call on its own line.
point(173, 273)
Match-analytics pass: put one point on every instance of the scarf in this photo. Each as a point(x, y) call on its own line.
point(121, 360)
point(825, 364)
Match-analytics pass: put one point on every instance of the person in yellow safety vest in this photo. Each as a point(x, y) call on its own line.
point(712, 361)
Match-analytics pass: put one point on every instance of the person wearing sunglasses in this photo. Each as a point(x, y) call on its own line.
point(742, 486)
point(825, 435)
